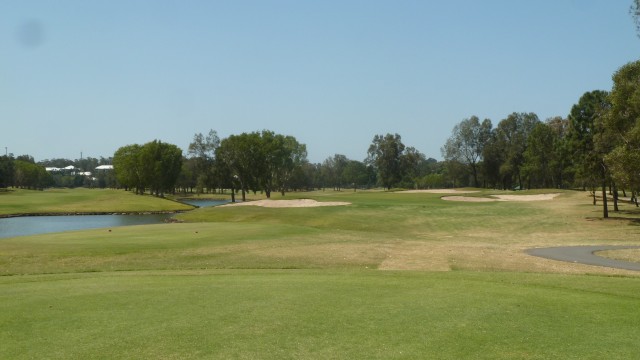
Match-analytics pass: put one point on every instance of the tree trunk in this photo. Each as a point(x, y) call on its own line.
point(615, 198)
point(233, 194)
point(605, 210)
point(519, 181)
point(475, 174)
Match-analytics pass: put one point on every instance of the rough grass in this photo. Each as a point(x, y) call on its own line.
point(324, 283)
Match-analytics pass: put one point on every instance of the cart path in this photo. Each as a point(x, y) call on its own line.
point(585, 255)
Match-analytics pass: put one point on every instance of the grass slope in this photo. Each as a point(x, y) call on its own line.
point(15, 202)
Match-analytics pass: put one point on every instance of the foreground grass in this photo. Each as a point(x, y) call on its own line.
point(319, 314)
point(246, 282)
point(52, 201)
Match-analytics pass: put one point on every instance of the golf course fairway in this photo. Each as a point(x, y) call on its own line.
point(392, 275)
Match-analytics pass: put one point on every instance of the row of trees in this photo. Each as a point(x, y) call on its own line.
point(257, 161)
point(23, 172)
point(266, 161)
point(596, 146)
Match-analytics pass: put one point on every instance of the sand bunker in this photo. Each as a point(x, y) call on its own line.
point(438, 191)
point(468, 199)
point(298, 203)
point(538, 197)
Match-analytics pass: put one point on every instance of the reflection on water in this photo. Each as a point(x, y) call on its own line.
point(32, 225)
point(204, 203)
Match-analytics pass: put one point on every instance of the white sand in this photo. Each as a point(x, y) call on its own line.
point(468, 199)
point(438, 191)
point(298, 203)
point(539, 197)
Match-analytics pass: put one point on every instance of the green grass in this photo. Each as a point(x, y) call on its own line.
point(319, 314)
point(326, 282)
point(15, 202)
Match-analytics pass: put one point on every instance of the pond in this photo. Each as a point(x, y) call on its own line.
point(204, 202)
point(33, 225)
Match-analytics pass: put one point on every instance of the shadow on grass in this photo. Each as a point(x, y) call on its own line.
point(630, 221)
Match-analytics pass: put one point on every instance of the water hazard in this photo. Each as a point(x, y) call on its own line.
point(33, 225)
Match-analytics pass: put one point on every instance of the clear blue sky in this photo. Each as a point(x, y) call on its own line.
point(91, 76)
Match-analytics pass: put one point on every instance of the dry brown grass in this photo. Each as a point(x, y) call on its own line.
point(632, 255)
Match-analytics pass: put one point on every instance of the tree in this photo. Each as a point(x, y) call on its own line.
point(202, 153)
point(466, 143)
point(561, 163)
point(154, 165)
point(493, 157)
point(6, 170)
point(265, 160)
point(355, 173)
point(333, 171)
point(290, 157)
point(384, 155)
point(539, 156)
point(622, 123)
point(511, 138)
point(587, 163)
point(29, 175)
point(411, 167)
point(126, 165)
point(634, 10)
point(161, 164)
point(237, 155)
point(279, 155)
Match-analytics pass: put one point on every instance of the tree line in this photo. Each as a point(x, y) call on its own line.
point(24, 172)
point(258, 161)
point(597, 146)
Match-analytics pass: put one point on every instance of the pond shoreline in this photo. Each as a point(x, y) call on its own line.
point(89, 213)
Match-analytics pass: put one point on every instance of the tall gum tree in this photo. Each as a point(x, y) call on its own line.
point(385, 155)
point(623, 124)
point(583, 118)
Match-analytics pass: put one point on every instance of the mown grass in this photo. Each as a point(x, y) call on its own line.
point(319, 314)
point(248, 282)
point(52, 201)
